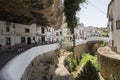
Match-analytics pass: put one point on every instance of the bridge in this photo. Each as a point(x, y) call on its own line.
point(15, 68)
point(89, 45)
point(93, 39)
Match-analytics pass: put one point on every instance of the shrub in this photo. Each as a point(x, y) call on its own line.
point(58, 52)
point(88, 73)
point(93, 59)
point(67, 61)
point(51, 62)
point(78, 59)
point(74, 63)
point(70, 63)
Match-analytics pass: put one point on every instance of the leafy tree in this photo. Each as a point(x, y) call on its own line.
point(70, 9)
point(88, 73)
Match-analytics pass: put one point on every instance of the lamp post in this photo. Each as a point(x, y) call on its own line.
point(14, 32)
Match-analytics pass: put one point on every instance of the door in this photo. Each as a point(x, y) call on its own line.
point(29, 40)
point(43, 39)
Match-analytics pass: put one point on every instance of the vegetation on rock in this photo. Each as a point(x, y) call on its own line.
point(88, 73)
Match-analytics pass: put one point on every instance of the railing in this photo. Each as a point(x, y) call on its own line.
point(93, 39)
point(15, 68)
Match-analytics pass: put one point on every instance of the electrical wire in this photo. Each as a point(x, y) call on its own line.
point(97, 8)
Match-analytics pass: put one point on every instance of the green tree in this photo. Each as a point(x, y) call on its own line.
point(70, 9)
point(88, 73)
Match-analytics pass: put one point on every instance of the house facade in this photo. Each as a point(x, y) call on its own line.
point(82, 32)
point(14, 33)
point(63, 34)
point(79, 32)
point(113, 16)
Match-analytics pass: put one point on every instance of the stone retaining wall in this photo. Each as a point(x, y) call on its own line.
point(79, 49)
point(109, 63)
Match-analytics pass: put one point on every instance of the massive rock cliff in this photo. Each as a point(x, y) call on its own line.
point(42, 12)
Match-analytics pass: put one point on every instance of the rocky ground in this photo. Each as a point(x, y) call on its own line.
point(48, 67)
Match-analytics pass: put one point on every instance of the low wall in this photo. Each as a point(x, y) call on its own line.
point(109, 63)
point(15, 68)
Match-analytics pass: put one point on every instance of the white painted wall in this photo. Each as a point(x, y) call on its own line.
point(15, 68)
point(19, 31)
point(114, 8)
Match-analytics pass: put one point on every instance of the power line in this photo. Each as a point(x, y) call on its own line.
point(97, 8)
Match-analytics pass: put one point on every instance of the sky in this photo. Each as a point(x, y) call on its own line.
point(94, 13)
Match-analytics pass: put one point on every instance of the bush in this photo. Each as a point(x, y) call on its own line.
point(71, 64)
point(74, 63)
point(93, 59)
point(51, 62)
point(78, 59)
point(58, 52)
point(103, 44)
point(67, 61)
point(88, 73)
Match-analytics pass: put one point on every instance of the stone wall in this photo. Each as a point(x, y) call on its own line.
point(79, 49)
point(90, 47)
point(109, 63)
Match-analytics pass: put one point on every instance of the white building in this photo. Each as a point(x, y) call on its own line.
point(79, 32)
point(14, 33)
point(63, 34)
point(113, 15)
point(82, 32)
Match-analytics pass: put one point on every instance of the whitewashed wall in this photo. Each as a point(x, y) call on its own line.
point(114, 9)
point(15, 68)
point(19, 32)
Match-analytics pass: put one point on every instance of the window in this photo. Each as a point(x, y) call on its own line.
point(112, 26)
point(49, 30)
point(34, 38)
point(8, 24)
point(43, 30)
point(113, 43)
point(61, 33)
point(27, 30)
point(7, 29)
point(117, 24)
point(57, 34)
point(22, 39)
point(8, 41)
